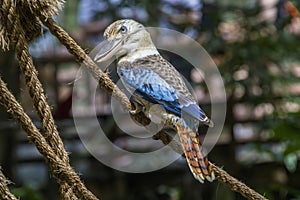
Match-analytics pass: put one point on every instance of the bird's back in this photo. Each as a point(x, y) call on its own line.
point(167, 71)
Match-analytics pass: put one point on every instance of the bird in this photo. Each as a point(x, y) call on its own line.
point(152, 80)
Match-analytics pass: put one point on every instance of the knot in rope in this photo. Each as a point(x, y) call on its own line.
point(20, 16)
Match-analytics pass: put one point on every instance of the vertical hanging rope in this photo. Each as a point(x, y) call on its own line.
point(39, 101)
point(61, 170)
point(18, 34)
point(5, 194)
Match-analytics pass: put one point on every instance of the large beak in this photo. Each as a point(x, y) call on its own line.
point(108, 48)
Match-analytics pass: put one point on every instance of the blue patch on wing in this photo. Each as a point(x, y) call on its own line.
point(152, 87)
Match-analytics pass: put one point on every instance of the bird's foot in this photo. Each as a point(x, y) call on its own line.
point(137, 108)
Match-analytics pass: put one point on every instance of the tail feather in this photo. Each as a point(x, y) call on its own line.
point(195, 156)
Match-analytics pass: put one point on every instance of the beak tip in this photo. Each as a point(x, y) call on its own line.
point(96, 58)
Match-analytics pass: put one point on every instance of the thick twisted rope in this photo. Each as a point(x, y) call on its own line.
point(60, 169)
point(30, 74)
point(27, 8)
point(235, 184)
point(5, 194)
point(106, 83)
point(39, 101)
point(20, 38)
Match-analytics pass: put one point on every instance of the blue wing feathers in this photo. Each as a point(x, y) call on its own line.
point(153, 88)
point(194, 111)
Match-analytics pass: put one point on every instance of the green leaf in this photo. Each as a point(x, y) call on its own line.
point(290, 161)
point(287, 131)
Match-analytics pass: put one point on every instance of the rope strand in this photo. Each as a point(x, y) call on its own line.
point(60, 169)
point(20, 25)
point(43, 109)
point(5, 194)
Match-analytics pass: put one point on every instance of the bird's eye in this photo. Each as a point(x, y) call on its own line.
point(123, 29)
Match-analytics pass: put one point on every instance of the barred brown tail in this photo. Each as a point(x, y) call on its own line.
point(194, 154)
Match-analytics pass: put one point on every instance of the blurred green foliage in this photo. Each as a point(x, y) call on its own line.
point(256, 65)
point(257, 60)
point(28, 192)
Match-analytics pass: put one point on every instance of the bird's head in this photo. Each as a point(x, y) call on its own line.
point(125, 39)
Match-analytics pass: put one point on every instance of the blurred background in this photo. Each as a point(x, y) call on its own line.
point(255, 44)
